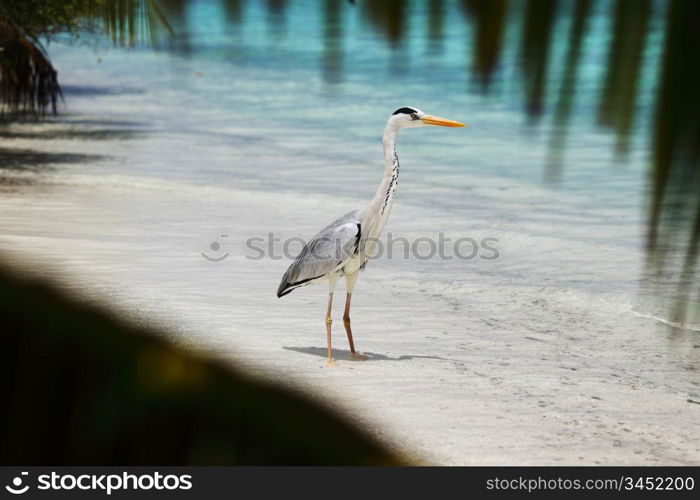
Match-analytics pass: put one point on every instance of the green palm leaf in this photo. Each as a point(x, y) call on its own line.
point(28, 81)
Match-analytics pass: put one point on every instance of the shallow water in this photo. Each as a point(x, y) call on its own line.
point(251, 105)
point(244, 131)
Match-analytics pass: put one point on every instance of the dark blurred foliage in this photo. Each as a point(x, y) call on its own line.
point(489, 17)
point(389, 17)
point(333, 41)
point(674, 213)
point(538, 24)
point(28, 82)
point(40, 17)
point(277, 17)
point(617, 102)
point(567, 91)
point(80, 387)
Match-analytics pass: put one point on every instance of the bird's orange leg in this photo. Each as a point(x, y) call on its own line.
point(346, 322)
point(348, 330)
point(329, 322)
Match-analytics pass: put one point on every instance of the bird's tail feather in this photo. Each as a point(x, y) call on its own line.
point(287, 287)
point(284, 289)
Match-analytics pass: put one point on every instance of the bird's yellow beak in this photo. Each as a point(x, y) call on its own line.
point(442, 122)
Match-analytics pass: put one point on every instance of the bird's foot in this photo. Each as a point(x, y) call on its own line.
point(330, 362)
point(358, 357)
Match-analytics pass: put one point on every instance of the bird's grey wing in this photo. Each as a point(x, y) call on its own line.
point(323, 253)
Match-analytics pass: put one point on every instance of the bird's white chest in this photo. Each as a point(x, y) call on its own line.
point(351, 264)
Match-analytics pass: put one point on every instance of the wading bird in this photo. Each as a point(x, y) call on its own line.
point(341, 248)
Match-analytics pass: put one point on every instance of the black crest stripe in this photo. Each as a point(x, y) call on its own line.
point(405, 111)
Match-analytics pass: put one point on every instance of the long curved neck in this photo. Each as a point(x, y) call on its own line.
point(380, 206)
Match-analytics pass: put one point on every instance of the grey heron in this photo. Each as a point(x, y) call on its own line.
point(341, 249)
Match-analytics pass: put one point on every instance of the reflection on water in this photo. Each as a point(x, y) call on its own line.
point(626, 67)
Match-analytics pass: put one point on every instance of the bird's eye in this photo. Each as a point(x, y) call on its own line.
point(413, 116)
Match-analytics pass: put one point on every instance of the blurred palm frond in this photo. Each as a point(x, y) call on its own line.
point(489, 18)
point(81, 386)
point(128, 22)
point(28, 80)
point(389, 18)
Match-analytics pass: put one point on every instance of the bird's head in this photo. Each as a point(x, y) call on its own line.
point(413, 117)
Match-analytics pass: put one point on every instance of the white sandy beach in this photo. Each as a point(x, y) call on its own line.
point(461, 370)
